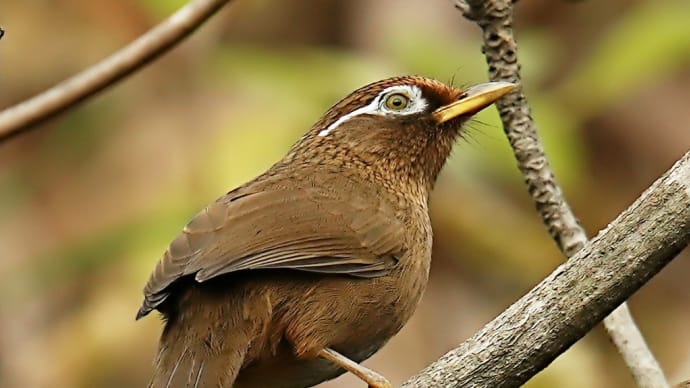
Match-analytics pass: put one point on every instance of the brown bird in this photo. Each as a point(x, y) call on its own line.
point(304, 272)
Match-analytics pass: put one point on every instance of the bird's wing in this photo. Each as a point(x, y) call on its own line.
point(307, 229)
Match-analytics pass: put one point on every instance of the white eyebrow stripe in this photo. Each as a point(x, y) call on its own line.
point(417, 104)
point(372, 108)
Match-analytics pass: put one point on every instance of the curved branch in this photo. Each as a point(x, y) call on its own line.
point(561, 309)
point(158, 40)
point(495, 17)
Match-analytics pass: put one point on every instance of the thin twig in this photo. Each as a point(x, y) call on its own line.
point(495, 19)
point(561, 309)
point(158, 40)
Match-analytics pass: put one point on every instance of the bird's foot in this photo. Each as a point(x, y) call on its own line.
point(373, 379)
point(380, 384)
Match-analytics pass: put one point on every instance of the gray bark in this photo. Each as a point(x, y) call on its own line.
point(577, 295)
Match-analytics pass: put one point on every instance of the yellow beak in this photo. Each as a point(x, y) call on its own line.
point(473, 100)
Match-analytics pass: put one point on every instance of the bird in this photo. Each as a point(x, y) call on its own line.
point(302, 273)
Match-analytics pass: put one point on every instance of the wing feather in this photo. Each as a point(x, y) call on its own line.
point(301, 228)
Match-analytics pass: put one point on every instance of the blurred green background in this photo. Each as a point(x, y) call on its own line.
point(90, 200)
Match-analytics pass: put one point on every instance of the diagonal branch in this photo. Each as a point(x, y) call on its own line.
point(146, 48)
point(561, 309)
point(495, 19)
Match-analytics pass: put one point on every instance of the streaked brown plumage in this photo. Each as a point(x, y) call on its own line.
point(329, 249)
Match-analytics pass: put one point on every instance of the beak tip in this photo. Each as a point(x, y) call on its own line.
point(509, 86)
point(504, 83)
point(475, 99)
point(493, 88)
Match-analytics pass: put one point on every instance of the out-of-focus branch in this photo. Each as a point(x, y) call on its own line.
point(495, 17)
point(561, 309)
point(158, 40)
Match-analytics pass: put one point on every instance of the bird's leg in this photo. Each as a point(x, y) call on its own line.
point(370, 377)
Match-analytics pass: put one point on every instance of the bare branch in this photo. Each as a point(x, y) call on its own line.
point(495, 19)
point(158, 40)
point(561, 309)
point(500, 48)
point(627, 337)
point(465, 8)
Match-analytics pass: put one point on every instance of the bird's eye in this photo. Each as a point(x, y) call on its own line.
point(397, 101)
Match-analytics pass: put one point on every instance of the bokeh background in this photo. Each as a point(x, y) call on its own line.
point(90, 199)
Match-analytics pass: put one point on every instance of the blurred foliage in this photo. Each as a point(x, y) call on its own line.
point(652, 41)
point(90, 199)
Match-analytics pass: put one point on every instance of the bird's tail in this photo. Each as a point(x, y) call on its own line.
point(188, 358)
point(204, 345)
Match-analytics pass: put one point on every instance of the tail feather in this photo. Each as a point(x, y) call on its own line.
point(202, 348)
point(199, 373)
point(209, 336)
point(192, 363)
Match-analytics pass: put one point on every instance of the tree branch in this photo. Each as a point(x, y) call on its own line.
point(158, 40)
point(562, 308)
point(495, 19)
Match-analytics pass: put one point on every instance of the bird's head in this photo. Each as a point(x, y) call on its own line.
point(397, 128)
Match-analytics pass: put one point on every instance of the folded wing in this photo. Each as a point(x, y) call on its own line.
point(306, 229)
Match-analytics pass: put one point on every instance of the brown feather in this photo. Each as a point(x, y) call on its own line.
point(244, 289)
point(321, 231)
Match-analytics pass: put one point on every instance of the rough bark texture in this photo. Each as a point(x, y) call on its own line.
point(495, 19)
point(500, 49)
point(578, 294)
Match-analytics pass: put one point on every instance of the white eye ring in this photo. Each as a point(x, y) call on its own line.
point(395, 102)
point(416, 104)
